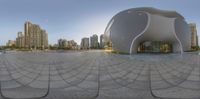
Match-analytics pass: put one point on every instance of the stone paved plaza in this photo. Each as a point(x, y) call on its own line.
point(99, 75)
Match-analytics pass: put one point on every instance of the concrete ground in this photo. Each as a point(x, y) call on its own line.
point(99, 75)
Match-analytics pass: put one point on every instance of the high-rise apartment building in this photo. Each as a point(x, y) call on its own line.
point(20, 40)
point(85, 43)
point(94, 44)
point(44, 39)
point(102, 43)
point(194, 36)
point(35, 37)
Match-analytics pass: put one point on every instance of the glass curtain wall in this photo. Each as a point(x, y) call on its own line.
point(155, 47)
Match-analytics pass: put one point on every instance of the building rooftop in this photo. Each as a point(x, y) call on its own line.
point(152, 10)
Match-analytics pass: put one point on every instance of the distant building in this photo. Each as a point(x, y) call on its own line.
point(197, 40)
point(102, 43)
point(35, 37)
point(194, 36)
point(72, 45)
point(20, 40)
point(85, 43)
point(94, 44)
point(11, 43)
point(62, 43)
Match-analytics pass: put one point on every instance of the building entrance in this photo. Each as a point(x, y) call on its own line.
point(155, 47)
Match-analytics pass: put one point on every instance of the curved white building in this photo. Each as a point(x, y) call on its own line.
point(148, 30)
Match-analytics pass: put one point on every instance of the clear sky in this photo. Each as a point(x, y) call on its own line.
point(74, 19)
